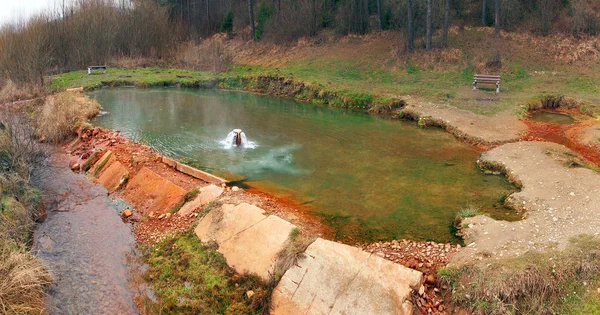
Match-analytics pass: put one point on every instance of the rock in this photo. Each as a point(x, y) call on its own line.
point(249, 240)
point(235, 188)
point(126, 213)
point(74, 163)
point(333, 278)
point(205, 196)
point(250, 294)
point(430, 279)
point(421, 290)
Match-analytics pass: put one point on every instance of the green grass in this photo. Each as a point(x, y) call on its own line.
point(143, 77)
point(188, 278)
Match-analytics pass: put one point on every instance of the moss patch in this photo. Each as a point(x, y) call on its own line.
point(189, 278)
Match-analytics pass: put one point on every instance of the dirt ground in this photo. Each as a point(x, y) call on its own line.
point(560, 199)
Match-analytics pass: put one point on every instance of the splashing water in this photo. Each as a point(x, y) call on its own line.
point(228, 142)
point(276, 160)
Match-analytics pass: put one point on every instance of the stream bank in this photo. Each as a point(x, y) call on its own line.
point(83, 243)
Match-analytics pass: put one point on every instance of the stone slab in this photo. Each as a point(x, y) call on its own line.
point(248, 239)
point(205, 196)
point(333, 278)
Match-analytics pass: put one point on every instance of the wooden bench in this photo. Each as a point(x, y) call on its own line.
point(90, 68)
point(486, 78)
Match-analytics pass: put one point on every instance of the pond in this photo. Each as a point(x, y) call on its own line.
point(551, 117)
point(369, 178)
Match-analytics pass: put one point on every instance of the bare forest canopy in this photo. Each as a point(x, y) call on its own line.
point(92, 32)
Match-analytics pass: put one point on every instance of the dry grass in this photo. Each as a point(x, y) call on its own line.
point(535, 283)
point(10, 92)
point(22, 279)
point(62, 113)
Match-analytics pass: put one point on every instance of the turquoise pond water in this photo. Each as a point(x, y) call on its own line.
point(369, 178)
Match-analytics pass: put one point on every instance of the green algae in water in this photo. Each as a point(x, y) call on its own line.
point(369, 178)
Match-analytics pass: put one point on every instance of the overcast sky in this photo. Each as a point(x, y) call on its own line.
point(13, 10)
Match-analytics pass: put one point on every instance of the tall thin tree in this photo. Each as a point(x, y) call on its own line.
point(428, 31)
point(483, 8)
point(497, 18)
point(251, 13)
point(446, 18)
point(379, 14)
point(411, 27)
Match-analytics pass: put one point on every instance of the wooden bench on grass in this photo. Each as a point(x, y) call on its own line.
point(90, 68)
point(486, 78)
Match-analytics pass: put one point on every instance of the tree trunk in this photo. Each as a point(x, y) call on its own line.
point(497, 18)
point(379, 14)
point(251, 13)
point(411, 29)
point(313, 27)
point(428, 34)
point(208, 15)
point(483, 7)
point(446, 18)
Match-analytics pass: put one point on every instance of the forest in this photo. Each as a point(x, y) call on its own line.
point(87, 32)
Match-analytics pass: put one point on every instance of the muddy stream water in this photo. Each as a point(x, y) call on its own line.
point(84, 243)
point(369, 178)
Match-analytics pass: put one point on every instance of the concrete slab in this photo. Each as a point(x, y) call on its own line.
point(113, 176)
point(333, 278)
point(194, 172)
point(205, 196)
point(149, 192)
point(95, 170)
point(249, 240)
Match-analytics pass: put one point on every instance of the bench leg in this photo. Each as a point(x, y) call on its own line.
point(104, 71)
point(89, 71)
point(474, 84)
point(497, 87)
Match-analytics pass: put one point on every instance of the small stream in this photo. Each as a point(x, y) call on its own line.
point(84, 244)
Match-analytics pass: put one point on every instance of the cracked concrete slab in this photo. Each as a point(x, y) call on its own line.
point(205, 196)
point(249, 240)
point(334, 278)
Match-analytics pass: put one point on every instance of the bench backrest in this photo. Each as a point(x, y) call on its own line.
point(487, 77)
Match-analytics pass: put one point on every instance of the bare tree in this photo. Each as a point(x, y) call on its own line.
point(428, 31)
point(251, 12)
point(446, 18)
point(411, 27)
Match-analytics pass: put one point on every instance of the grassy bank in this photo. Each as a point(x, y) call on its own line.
point(555, 282)
point(374, 70)
point(188, 278)
point(22, 276)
